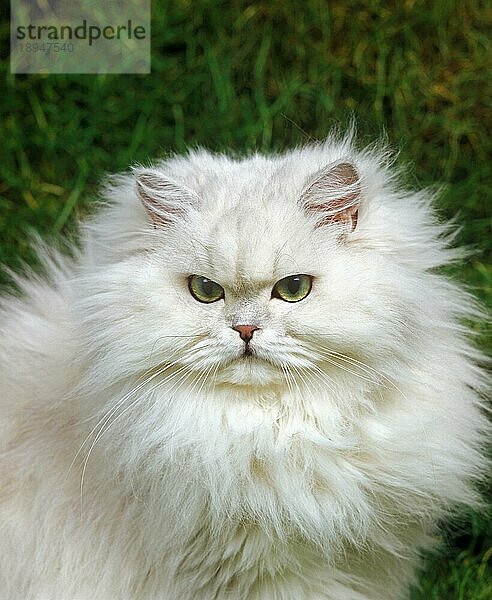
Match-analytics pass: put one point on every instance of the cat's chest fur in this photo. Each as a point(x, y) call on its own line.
point(267, 484)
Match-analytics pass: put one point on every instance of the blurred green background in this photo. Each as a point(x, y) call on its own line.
point(267, 75)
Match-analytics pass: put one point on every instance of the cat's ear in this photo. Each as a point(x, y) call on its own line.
point(164, 200)
point(333, 195)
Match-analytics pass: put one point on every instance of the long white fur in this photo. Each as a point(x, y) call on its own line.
point(143, 458)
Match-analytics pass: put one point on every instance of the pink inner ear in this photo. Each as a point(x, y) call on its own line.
point(335, 195)
point(163, 200)
point(148, 194)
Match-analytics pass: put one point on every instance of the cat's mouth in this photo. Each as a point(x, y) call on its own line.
point(252, 354)
point(250, 367)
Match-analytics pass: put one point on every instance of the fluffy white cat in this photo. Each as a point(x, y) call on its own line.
point(248, 383)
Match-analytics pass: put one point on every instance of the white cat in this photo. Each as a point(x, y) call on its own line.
point(249, 383)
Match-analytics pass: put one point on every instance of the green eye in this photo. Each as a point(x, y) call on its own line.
point(204, 290)
point(293, 288)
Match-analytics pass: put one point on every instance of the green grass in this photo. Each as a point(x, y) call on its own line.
point(269, 75)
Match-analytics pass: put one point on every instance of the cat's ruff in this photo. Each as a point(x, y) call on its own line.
point(249, 382)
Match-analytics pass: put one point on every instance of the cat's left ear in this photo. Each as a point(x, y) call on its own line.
point(333, 195)
point(164, 200)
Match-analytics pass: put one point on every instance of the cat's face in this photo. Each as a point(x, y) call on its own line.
point(253, 276)
point(250, 292)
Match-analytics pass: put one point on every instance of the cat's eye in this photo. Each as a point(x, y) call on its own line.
point(204, 290)
point(293, 288)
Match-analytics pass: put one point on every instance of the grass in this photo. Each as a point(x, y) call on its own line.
point(267, 75)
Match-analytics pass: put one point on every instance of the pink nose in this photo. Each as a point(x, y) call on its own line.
point(245, 331)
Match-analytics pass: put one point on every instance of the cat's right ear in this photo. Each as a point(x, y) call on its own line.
point(333, 195)
point(165, 201)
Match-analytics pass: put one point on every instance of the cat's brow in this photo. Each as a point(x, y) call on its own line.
point(253, 283)
point(257, 282)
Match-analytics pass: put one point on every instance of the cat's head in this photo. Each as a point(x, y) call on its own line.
point(254, 270)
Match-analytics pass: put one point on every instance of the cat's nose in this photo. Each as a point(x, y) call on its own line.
point(245, 331)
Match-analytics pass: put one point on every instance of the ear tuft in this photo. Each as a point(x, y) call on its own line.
point(165, 201)
point(334, 194)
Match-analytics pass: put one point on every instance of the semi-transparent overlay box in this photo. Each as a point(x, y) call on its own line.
point(80, 36)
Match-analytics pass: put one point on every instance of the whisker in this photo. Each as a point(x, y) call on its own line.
point(200, 376)
point(107, 419)
point(329, 358)
point(332, 356)
point(323, 377)
point(110, 411)
point(301, 377)
point(106, 425)
point(365, 367)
